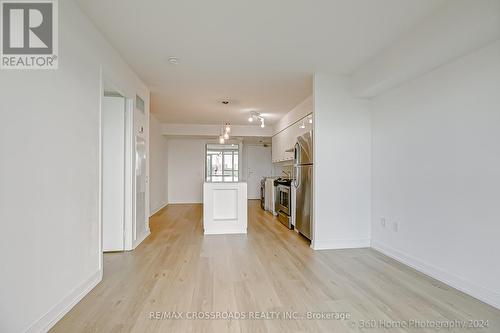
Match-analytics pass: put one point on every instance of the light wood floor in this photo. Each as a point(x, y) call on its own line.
point(269, 269)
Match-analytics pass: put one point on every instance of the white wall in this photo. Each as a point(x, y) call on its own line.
point(158, 166)
point(436, 162)
point(192, 130)
point(341, 166)
point(186, 170)
point(456, 29)
point(49, 175)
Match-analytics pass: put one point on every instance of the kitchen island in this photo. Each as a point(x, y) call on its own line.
point(225, 208)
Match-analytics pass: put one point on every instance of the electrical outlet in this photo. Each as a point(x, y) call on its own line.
point(382, 222)
point(395, 226)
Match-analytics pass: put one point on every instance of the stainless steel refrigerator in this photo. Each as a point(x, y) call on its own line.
point(303, 182)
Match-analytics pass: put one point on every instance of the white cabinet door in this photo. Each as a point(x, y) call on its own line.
point(281, 146)
point(274, 147)
point(289, 142)
point(286, 139)
point(277, 147)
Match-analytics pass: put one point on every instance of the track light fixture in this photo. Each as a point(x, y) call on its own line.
point(257, 116)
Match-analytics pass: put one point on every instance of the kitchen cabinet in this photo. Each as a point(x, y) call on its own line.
point(286, 139)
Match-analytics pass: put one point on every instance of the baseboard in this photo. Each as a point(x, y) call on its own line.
point(47, 321)
point(184, 203)
point(143, 237)
point(156, 210)
point(336, 244)
point(485, 295)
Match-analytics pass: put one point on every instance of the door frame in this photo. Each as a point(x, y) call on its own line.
point(129, 220)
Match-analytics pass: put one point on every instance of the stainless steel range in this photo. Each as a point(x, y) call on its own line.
point(284, 201)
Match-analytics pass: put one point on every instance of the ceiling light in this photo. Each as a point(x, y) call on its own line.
point(256, 115)
point(221, 140)
point(173, 60)
point(228, 127)
point(310, 120)
point(226, 136)
point(303, 125)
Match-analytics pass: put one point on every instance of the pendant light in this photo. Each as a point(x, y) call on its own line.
point(225, 129)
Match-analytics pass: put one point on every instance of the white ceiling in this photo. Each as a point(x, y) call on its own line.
point(259, 54)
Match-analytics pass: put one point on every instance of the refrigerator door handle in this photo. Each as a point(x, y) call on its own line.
point(296, 181)
point(296, 160)
point(296, 153)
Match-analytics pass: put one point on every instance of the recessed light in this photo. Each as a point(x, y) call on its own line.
point(173, 60)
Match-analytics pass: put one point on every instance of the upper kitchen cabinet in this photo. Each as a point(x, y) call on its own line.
point(278, 146)
point(286, 139)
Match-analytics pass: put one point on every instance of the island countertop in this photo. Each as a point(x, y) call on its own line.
point(225, 208)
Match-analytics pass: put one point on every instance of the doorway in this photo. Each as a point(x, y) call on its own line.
point(259, 165)
point(113, 145)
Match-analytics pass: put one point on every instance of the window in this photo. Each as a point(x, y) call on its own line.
point(222, 163)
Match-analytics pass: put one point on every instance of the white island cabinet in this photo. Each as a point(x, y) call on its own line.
point(225, 208)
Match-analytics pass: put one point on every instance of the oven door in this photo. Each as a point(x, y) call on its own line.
point(284, 199)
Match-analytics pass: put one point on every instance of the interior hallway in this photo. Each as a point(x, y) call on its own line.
point(269, 269)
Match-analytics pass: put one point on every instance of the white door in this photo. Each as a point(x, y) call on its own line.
point(113, 173)
point(259, 165)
